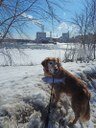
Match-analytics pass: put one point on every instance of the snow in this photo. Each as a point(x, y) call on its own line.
point(26, 79)
point(32, 54)
point(29, 56)
point(17, 81)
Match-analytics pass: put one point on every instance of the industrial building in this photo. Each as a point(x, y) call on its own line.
point(64, 37)
point(40, 36)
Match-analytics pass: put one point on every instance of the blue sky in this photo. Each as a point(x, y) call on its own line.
point(69, 10)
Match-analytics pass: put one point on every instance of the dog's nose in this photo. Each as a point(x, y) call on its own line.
point(56, 69)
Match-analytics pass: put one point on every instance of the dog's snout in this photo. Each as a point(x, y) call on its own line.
point(55, 71)
point(56, 67)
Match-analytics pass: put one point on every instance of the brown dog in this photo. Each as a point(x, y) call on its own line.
point(72, 86)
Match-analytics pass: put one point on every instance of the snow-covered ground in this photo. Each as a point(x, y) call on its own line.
point(23, 85)
point(33, 54)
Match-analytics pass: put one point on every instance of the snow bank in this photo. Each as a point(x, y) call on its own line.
point(24, 97)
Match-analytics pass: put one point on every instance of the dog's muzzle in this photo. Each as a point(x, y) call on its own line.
point(53, 71)
point(56, 71)
point(53, 68)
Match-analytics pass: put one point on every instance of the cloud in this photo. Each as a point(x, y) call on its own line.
point(65, 27)
point(34, 20)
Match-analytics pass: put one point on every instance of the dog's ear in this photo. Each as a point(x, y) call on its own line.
point(43, 63)
point(59, 61)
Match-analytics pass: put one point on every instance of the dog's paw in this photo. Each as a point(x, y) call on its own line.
point(71, 122)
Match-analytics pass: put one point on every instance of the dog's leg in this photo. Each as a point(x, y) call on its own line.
point(76, 118)
point(56, 97)
point(76, 109)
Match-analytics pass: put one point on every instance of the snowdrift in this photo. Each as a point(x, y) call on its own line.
point(24, 97)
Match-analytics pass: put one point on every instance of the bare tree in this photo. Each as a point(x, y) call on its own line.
point(11, 14)
point(1, 2)
point(93, 24)
point(86, 22)
point(14, 17)
point(82, 20)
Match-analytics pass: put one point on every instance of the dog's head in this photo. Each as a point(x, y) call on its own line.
point(51, 66)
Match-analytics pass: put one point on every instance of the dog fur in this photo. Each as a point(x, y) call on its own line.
point(72, 86)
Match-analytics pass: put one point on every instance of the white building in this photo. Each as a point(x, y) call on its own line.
point(64, 37)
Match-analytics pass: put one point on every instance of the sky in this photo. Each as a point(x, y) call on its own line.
point(65, 25)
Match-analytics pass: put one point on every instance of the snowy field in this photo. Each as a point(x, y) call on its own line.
point(30, 54)
point(33, 54)
point(24, 80)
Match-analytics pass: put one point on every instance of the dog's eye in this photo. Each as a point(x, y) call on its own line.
point(50, 63)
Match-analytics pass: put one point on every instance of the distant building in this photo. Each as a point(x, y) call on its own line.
point(40, 36)
point(64, 37)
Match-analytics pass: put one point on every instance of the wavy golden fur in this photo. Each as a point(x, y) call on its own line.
point(72, 86)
